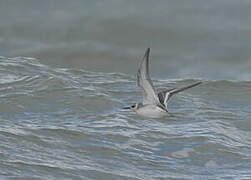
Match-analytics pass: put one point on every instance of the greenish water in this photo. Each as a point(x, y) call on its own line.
point(68, 67)
point(68, 123)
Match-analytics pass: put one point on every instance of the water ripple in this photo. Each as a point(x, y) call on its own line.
point(68, 123)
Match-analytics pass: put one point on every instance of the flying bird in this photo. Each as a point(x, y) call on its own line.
point(154, 103)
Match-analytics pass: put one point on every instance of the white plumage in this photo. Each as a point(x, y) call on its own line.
point(154, 104)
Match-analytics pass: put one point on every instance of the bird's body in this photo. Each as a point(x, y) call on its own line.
point(154, 104)
point(152, 111)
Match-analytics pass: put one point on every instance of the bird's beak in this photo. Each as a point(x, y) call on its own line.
point(126, 107)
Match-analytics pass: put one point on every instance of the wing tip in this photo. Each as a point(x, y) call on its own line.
point(148, 49)
point(197, 83)
point(147, 53)
point(177, 90)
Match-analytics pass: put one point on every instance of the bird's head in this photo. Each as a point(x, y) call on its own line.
point(134, 106)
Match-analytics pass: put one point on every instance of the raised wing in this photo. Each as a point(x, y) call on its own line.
point(164, 96)
point(144, 81)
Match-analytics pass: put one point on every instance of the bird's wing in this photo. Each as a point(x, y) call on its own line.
point(164, 96)
point(144, 81)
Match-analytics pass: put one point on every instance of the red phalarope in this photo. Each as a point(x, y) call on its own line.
point(154, 103)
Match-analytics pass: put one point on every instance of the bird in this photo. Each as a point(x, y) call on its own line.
point(154, 103)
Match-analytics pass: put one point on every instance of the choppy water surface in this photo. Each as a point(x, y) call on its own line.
point(61, 111)
point(68, 124)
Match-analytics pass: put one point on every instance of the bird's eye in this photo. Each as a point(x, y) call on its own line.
point(133, 106)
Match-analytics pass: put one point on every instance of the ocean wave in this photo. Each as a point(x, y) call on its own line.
point(70, 121)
